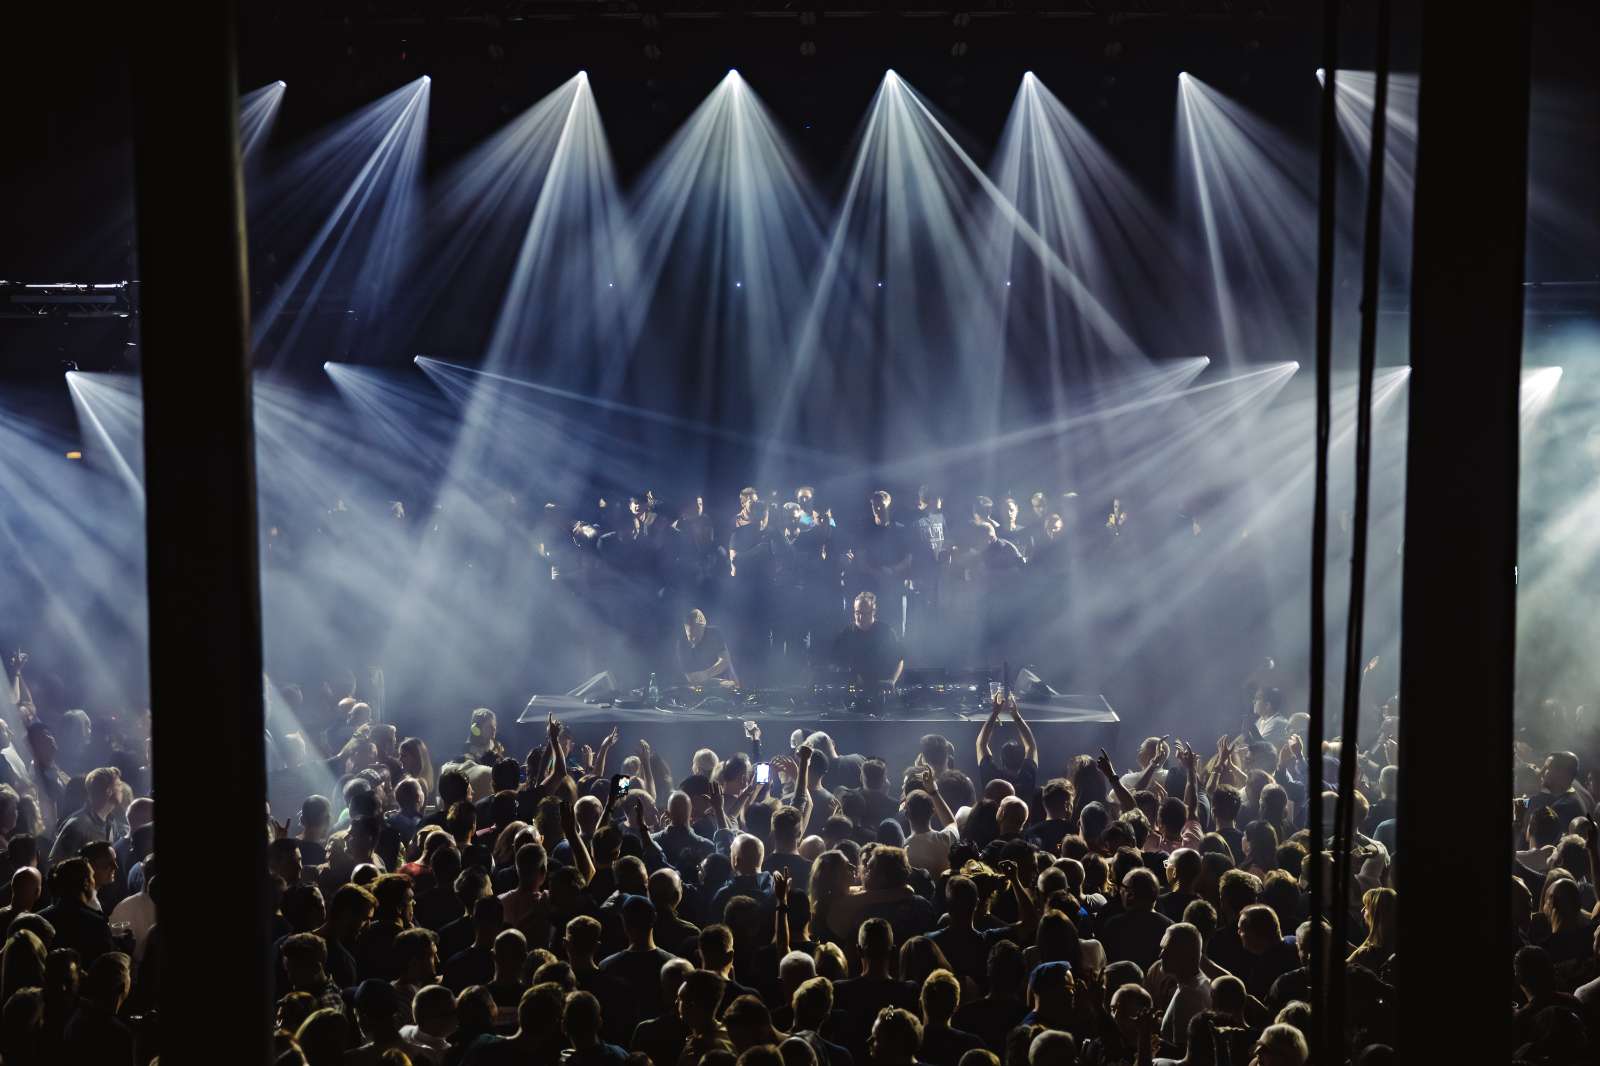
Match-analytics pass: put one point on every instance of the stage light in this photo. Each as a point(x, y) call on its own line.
point(1008, 283)
point(74, 455)
point(1206, 359)
point(738, 284)
point(326, 365)
point(1297, 365)
point(880, 284)
point(282, 84)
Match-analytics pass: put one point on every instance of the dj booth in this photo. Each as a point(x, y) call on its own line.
point(870, 721)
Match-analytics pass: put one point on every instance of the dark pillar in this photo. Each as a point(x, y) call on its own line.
point(1459, 623)
point(205, 614)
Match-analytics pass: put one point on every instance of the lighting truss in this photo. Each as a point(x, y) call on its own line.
point(117, 299)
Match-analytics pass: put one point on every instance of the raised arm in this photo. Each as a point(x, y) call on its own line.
point(930, 785)
point(647, 772)
point(611, 798)
point(780, 925)
point(1191, 798)
point(1030, 746)
point(1124, 797)
point(986, 731)
point(1027, 905)
point(581, 858)
point(654, 857)
point(605, 751)
point(558, 765)
point(802, 785)
point(1149, 775)
point(716, 806)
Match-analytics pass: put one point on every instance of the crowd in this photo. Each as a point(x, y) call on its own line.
point(789, 903)
point(997, 904)
point(777, 571)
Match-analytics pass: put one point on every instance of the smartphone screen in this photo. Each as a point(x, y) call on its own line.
point(763, 773)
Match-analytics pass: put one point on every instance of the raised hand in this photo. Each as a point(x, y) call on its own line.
point(611, 737)
point(1187, 757)
point(280, 831)
point(752, 729)
point(553, 727)
point(569, 820)
point(588, 756)
point(780, 887)
point(1104, 763)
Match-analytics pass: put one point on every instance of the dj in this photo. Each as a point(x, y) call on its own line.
point(703, 655)
point(869, 653)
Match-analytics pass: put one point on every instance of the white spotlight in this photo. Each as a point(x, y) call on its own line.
point(1296, 364)
point(417, 359)
point(1008, 283)
point(738, 284)
point(327, 366)
point(282, 84)
point(880, 284)
point(1206, 359)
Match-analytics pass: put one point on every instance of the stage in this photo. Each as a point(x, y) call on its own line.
point(890, 728)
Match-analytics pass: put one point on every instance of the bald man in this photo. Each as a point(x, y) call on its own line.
point(26, 887)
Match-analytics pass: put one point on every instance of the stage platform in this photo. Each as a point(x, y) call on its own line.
point(1064, 724)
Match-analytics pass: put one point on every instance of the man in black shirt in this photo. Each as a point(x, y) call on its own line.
point(1135, 934)
point(702, 654)
point(869, 653)
point(1019, 761)
point(639, 966)
point(882, 554)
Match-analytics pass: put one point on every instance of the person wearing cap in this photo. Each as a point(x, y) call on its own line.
point(638, 966)
point(378, 1011)
point(1050, 998)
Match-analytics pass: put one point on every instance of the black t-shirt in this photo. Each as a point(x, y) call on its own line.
point(1567, 806)
point(990, 1018)
point(1048, 834)
point(868, 655)
point(694, 658)
point(640, 971)
point(1024, 778)
point(1136, 936)
point(878, 547)
point(909, 916)
point(753, 558)
point(798, 869)
point(862, 998)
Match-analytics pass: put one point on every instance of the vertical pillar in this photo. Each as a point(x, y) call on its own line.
point(205, 614)
point(1459, 618)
